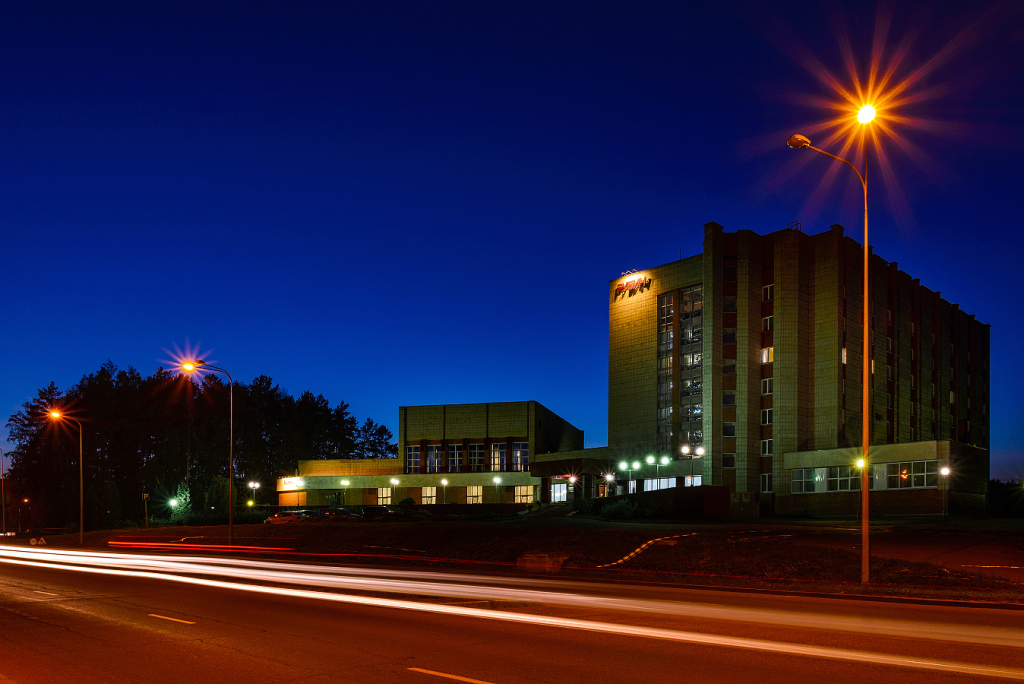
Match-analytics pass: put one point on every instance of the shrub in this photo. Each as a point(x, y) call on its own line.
point(621, 510)
point(407, 501)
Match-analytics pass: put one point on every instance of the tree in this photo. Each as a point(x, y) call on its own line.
point(375, 441)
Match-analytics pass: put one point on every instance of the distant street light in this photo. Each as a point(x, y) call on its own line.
point(497, 498)
point(800, 142)
point(344, 492)
point(3, 499)
point(444, 491)
point(199, 364)
point(57, 415)
point(254, 486)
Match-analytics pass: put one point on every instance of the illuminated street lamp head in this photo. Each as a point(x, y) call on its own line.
point(664, 460)
point(686, 449)
point(497, 480)
point(173, 502)
point(572, 478)
point(248, 503)
point(860, 462)
point(865, 115)
point(254, 485)
point(189, 366)
point(623, 466)
point(700, 451)
point(444, 482)
point(636, 465)
point(55, 414)
point(344, 483)
point(650, 460)
point(394, 481)
point(944, 471)
point(609, 477)
point(798, 142)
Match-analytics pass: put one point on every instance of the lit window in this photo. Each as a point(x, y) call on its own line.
point(435, 457)
point(384, 496)
point(767, 293)
point(524, 494)
point(766, 416)
point(767, 323)
point(520, 456)
point(428, 495)
point(477, 457)
point(844, 354)
point(767, 386)
point(474, 495)
point(498, 464)
point(768, 355)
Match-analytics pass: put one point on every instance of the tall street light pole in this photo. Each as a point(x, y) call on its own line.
point(190, 366)
point(800, 142)
point(57, 415)
point(3, 499)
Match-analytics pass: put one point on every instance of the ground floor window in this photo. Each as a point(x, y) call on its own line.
point(693, 480)
point(913, 474)
point(384, 496)
point(524, 494)
point(428, 495)
point(559, 493)
point(475, 495)
point(653, 484)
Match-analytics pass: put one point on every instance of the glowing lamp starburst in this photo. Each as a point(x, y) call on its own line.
point(866, 114)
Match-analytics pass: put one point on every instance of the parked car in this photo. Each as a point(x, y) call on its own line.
point(313, 516)
point(284, 517)
point(377, 512)
point(340, 514)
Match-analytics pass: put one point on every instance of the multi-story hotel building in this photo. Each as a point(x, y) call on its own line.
point(740, 367)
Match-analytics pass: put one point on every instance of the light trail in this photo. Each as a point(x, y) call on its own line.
point(489, 588)
point(554, 622)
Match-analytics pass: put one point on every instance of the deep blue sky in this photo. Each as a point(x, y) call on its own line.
point(405, 203)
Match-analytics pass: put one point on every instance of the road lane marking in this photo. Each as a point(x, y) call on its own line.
point(164, 617)
point(449, 676)
point(36, 591)
point(616, 629)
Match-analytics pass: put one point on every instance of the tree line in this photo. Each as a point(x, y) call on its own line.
point(166, 434)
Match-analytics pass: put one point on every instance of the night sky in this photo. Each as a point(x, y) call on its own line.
point(411, 203)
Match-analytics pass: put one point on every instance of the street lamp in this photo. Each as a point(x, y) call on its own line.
point(945, 490)
point(800, 142)
point(254, 486)
point(199, 364)
point(3, 499)
point(344, 492)
point(57, 415)
point(497, 498)
point(444, 491)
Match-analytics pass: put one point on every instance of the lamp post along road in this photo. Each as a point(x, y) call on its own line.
point(57, 415)
point(197, 364)
point(799, 142)
point(3, 499)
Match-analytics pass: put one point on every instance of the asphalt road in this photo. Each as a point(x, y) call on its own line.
point(63, 625)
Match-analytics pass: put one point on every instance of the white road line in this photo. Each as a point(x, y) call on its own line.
point(164, 617)
point(566, 623)
point(449, 676)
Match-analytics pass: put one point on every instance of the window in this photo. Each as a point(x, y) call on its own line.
point(498, 463)
point(690, 361)
point(767, 293)
point(888, 344)
point(844, 354)
point(728, 460)
point(729, 367)
point(524, 494)
point(843, 479)
point(520, 456)
point(412, 459)
point(728, 429)
point(767, 386)
point(729, 336)
point(384, 496)
point(654, 484)
point(767, 323)
point(910, 475)
point(766, 416)
point(475, 494)
point(768, 355)
point(888, 401)
point(477, 458)
point(803, 481)
point(692, 480)
point(888, 316)
point(428, 495)
point(888, 372)
point(632, 487)
point(766, 482)
point(454, 458)
point(766, 447)
point(728, 398)
point(435, 457)
point(728, 305)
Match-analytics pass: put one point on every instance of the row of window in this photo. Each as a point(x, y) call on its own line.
point(882, 476)
point(477, 461)
point(474, 495)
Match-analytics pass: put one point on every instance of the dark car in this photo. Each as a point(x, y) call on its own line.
point(312, 516)
point(377, 512)
point(338, 514)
